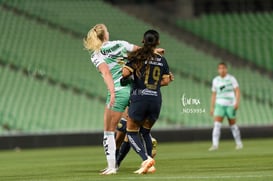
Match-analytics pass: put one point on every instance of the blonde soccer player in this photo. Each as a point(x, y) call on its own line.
point(225, 101)
point(107, 56)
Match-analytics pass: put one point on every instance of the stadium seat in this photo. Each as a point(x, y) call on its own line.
point(58, 55)
point(247, 35)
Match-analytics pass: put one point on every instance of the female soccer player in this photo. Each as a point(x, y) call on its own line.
point(150, 71)
point(107, 56)
point(224, 103)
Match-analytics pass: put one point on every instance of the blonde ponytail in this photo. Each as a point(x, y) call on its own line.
point(94, 38)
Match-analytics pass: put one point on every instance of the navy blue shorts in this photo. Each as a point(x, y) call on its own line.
point(141, 110)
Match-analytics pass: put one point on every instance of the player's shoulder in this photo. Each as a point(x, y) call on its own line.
point(216, 78)
point(123, 42)
point(229, 76)
point(96, 58)
point(160, 58)
point(108, 43)
point(95, 55)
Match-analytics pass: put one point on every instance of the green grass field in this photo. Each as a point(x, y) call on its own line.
point(174, 161)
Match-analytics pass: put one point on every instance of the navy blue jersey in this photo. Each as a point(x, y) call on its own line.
point(148, 84)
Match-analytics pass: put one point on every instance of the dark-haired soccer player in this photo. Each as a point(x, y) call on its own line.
point(224, 103)
point(150, 71)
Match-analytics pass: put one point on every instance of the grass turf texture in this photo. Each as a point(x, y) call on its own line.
point(174, 161)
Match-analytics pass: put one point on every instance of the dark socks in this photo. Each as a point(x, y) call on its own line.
point(137, 145)
point(147, 140)
point(117, 153)
point(123, 151)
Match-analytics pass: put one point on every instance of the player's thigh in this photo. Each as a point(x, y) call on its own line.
point(154, 111)
point(137, 110)
point(219, 112)
point(231, 114)
point(125, 113)
point(148, 124)
point(133, 125)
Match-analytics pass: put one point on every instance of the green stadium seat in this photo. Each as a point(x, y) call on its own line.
point(253, 31)
point(60, 56)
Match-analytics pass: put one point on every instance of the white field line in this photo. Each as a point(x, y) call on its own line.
point(196, 177)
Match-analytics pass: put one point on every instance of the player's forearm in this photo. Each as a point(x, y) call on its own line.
point(126, 72)
point(166, 79)
point(164, 82)
point(109, 82)
point(237, 95)
point(212, 102)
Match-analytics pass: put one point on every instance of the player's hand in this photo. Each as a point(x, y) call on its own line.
point(160, 51)
point(171, 76)
point(112, 100)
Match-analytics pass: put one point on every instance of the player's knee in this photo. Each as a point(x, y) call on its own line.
point(231, 122)
point(144, 131)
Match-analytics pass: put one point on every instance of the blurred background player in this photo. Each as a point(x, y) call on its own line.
point(150, 71)
point(106, 56)
point(225, 101)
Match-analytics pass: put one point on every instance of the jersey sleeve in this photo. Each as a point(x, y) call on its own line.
point(213, 88)
point(97, 59)
point(165, 69)
point(234, 82)
point(128, 46)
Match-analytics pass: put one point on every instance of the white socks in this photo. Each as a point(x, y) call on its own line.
point(236, 134)
point(216, 132)
point(109, 145)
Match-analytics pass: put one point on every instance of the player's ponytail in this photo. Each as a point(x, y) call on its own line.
point(94, 38)
point(145, 53)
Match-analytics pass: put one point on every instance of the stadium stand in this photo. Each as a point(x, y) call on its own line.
point(28, 105)
point(41, 37)
point(248, 35)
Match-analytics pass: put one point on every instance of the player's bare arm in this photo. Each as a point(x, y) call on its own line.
point(126, 72)
point(237, 98)
point(167, 79)
point(107, 76)
point(212, 103)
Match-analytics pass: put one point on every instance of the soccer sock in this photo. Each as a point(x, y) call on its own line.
point(136, 144)
point(147, 140)
point(109, 145)
point(236, 134)
point(117, 153)
point(124, 149)
point(216, 132)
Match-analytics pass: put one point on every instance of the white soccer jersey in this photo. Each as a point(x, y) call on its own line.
point(114, 54)
point(224, 88)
